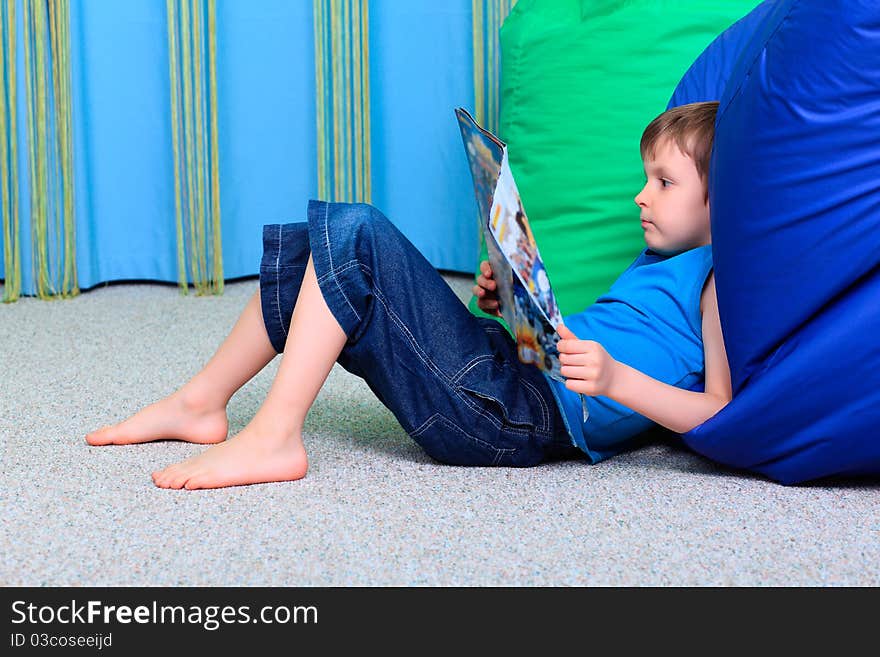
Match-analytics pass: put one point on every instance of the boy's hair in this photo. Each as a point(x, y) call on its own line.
point(690, 127)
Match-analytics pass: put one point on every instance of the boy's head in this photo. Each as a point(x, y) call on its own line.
point(674, 203)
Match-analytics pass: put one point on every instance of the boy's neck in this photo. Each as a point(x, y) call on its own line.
point(652, 252)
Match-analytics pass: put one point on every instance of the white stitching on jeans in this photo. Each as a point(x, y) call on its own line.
point(424, 425)
point(413, 343)
point(417, 350)
point(340, 270)
point(439, 417)
point(471, 365)
point(330, 258)
point(379, 296)
point(544, 410)
point(278, 284)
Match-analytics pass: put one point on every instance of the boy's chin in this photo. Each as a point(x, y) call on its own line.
point(662, 248)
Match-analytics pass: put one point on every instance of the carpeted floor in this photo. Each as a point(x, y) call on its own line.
point(374, 509)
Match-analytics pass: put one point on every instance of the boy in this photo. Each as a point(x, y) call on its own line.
point(674, 205)
point(346, 286)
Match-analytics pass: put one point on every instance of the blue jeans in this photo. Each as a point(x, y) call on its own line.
point(451, 379)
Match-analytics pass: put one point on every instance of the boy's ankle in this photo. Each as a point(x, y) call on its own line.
point(198, 398)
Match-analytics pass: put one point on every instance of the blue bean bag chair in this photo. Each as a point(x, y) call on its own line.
point(795, 205)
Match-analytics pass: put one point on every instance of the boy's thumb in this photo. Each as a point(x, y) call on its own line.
point(563, 331)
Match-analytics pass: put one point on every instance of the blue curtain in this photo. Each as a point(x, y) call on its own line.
point(421, 56)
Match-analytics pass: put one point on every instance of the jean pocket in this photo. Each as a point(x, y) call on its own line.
point(494, 406)
point(498, 389)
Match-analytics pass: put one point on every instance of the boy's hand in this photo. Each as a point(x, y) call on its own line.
point(587, 367)
point(486, 291)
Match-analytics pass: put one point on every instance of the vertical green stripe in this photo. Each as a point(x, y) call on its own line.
point(490, 63)
point(357, 106)
point(66, 237)
point(365, 99)
point(192, 56)
point(173, 54)
point(342, 90)
point(318, 18)
point(488, 16)
point(4, 168)
point(39, 13)
point(71, 275)
point(347, 94)
point(215, 152)
point(335, 57)
point(34, 65)
point(478, 41)
point(8, 157)
point(198, 152)
point(56, 149)
point(50, 152)
point(327, 128)
point(186, 73)
point(50, 160)
point(30, 99)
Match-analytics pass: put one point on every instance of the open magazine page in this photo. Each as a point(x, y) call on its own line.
point(485, 153)
point(536, 313)
point(526, 299)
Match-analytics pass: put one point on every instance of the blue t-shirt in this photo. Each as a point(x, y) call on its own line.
point(650, 319)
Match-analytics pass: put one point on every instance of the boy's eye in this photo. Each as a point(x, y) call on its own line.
point(664, 182)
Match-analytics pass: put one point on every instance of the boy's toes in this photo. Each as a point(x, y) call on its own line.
point(193, 483)
point(98, 437)
point(162, 478)
point(178, 479)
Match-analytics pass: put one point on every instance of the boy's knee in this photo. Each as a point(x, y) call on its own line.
point(367, 226)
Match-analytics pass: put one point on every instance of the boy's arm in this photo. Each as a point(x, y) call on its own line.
point(590, 370)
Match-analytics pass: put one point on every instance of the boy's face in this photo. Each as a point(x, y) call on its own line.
point(674, 212)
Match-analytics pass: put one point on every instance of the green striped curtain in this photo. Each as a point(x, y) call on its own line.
point(488, 15)
point(8, 156)
point(46, 40)
point(192, 61)
point(342, 80)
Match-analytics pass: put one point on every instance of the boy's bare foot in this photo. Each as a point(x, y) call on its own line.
point(180, 416)
point(254, 456)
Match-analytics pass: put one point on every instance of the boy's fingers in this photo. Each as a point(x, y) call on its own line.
point(485, 283)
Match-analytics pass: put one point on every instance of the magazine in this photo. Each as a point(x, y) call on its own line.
point(526, 299)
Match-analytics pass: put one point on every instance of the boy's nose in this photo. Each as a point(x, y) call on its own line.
point(640, 198)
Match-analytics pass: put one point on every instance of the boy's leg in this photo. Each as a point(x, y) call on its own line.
point(197, 411)
point(270, 447)
point(454, 382)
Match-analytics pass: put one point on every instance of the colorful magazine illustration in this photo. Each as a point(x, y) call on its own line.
point(525, 296)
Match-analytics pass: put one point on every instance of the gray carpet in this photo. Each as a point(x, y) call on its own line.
point(374, 509)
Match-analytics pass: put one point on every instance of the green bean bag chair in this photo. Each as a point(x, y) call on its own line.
point(580, 81)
